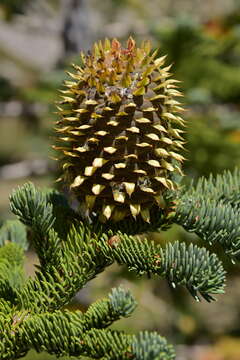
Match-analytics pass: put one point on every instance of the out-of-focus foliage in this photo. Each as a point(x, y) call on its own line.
point(206, 59)
point(12, 7)
point(7, 90)
point(211, 146)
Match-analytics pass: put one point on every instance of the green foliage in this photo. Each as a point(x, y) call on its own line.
point(74, 251)
point(211, 210)
point(151, 346)
point(189, 266)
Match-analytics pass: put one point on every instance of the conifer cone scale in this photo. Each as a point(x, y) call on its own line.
point(119, 135)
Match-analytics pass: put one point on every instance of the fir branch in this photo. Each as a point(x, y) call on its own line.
point(202, 273)
point(32, 208)
point(70, 266)
point(222, 187)
point(66, 337)
point(5, 307)
point(76, 334)
point(49, 217)
point(148, 346)
point(72, 256)
point(71, 263)
point(213, 221)
point(59, 333)
point(43, 212)
point(108, 345)
point(11, 346)
point(144, 346)
point(120, 303)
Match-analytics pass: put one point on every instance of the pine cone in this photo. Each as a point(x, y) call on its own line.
point(119, 135)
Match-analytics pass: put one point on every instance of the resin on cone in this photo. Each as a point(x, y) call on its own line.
point(119, 134)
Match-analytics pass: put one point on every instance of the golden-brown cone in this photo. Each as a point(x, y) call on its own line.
point(119, 132)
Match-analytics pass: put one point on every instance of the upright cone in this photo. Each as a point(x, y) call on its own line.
point(119, 134)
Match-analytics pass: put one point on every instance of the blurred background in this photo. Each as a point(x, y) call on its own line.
point(38, 41)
